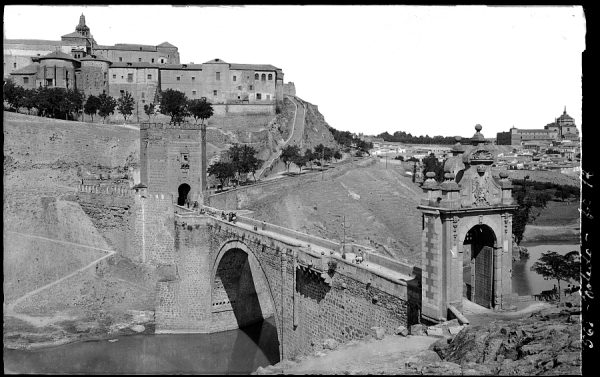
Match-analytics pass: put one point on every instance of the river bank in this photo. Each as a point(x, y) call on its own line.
point(540, 234)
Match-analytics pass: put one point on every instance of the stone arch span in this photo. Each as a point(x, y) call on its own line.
point(241, 293)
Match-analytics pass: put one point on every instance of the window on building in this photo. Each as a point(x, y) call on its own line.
point(238, 97)
point(143, 95)
point(218, 76)
point(139, 59)
point(140, 49)
point(256, 76)
point(268, 97)
point(25, 80)
point(122, 92)
point(251, 87)
point(105, 74)
point(258, 96)
point(263, 77)
point(48, 82)
point(149, 77)
point(214, 92)
point(143, 101)
point(270, 76)
point(152, 60)
point(193, 92)
point(120, 59)
point(193, 78)
point(178, 78)
point(130, 77)
point(240, 87)
point(234, 78)
point(162, 60)
point(185, 161)
point(114, 76)
point(14, 65)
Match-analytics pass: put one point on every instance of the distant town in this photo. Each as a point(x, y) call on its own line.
point(555, 147)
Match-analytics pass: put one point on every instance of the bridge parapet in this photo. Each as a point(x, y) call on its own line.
point(315, 254)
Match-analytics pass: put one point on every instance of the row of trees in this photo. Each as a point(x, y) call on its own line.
point(348, 140)
point(403, 137)
point(69, 103)
point(176, 105)
point(241, 160)
point(49, 102)
point(291, 154)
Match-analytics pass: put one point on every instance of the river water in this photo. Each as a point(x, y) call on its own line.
point(229, 352)
point(526, 282)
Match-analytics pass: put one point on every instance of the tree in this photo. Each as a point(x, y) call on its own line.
point(74, 102)
point(300, 161)
point(13, 94)
point(29, 100)
point(244, 160)
point(552, 265)
point(107, 106)
point(289, 154)
point(200, 108)
point(174, 104)
point(222, 170)
point(150, 110)
point(91, 106)
point(337, 155)
point(310, 156)
point(431, 163)
point(125, 105)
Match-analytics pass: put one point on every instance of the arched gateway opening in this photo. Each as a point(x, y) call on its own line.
point(241, 299)
point(478, 265)
point(183, 191)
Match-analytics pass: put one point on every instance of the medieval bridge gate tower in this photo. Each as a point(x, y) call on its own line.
point(173, 160)
point(467, 234)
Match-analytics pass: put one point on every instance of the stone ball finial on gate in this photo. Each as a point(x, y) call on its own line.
point(430, 175)
point(503, 175)
point(478, 127)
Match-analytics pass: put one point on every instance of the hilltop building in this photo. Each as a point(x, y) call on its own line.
point(563, 128)
point(78, 62)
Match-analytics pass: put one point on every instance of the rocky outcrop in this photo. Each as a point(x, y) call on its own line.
point(547, 342)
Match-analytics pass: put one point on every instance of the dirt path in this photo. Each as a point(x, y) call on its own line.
point(370, 356)
point(43, 321)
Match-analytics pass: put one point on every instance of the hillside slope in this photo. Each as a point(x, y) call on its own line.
point(379, 205)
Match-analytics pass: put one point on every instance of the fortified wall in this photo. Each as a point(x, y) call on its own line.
point(138, 226)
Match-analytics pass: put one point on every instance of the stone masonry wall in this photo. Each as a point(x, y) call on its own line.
point(307, 309)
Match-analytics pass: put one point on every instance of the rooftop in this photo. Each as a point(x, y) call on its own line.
point(28, 70)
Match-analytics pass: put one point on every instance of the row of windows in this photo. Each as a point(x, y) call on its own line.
point(162, 60)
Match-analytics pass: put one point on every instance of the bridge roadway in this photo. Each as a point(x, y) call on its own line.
point(317, 250)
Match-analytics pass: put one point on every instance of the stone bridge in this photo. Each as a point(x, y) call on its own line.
point(221, 275)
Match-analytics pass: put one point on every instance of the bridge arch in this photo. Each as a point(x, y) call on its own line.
point(241, 293)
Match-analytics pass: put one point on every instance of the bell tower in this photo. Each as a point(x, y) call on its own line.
point(467, 234)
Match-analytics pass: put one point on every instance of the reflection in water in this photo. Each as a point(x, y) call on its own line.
point(527, 282)
point(228, 352)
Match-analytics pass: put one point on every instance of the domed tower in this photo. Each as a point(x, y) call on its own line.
point(82, 28)
point(467, 234)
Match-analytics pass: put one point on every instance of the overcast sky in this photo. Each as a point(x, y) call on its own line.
point(420, 69)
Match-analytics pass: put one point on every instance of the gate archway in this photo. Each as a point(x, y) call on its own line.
point(478, 265)
point(183, 191)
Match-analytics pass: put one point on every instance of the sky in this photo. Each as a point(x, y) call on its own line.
point(425, 70)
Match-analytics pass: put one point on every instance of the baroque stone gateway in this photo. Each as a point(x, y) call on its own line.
point(217, 274)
